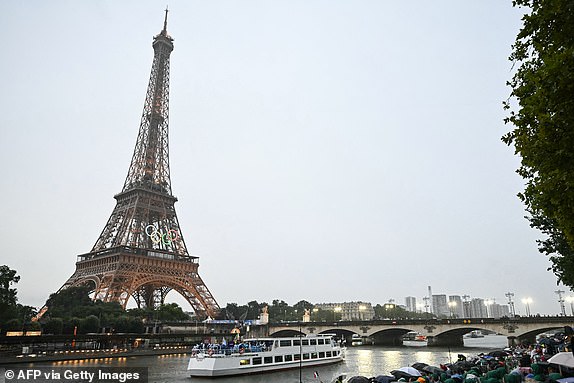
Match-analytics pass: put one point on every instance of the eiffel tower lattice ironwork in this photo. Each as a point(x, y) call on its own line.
point(141, 252)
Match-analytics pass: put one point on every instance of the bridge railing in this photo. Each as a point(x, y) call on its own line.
point(453, 321)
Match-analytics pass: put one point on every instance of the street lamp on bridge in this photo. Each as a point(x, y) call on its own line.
point(561, 301)
point(509, 295)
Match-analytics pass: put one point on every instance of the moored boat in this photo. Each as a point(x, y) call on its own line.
point(265, 354)
point(414, 336)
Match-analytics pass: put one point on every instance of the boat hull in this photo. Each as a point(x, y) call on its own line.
point(211, 369)
point(260, 355)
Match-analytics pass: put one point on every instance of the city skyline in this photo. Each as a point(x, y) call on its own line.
point(322, 150)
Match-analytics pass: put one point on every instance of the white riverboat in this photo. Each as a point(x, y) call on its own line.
point(265, 354)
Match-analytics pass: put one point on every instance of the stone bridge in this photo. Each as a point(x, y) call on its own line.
point(439, 332)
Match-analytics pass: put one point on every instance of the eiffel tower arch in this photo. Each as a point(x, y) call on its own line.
point(141, 253)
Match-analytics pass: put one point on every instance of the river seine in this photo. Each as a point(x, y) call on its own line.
point(360, 360)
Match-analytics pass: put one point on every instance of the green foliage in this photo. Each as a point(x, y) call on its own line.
point(233, 311)
point(13, 325)
point(171, 312)
point(543, 119)
point(69, 302)
point(89, 324)
point(54, 326)
point(281, 311)
point(278, 311)
point(32, 326)
point(127, 324)
point(319, 315)
point(71, 325)
point(8, 299)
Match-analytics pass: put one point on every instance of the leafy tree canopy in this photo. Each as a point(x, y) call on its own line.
point(541, 108)
point(8, 277)
point(9, 308)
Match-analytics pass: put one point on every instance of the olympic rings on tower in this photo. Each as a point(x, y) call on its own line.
point(158, 236)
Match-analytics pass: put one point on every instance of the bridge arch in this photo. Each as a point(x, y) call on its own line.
point(438, 332)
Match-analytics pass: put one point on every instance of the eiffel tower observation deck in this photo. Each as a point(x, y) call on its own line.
point(141, 252)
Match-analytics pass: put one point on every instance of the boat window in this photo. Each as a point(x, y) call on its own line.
point(279, 359)
point(288, 358)
point(320, 341)
point(244, 362)
point(313, 342)
point(313, 355)
point(268, 359)
point(285, 343)
point(327, 341)
point(256, 360)
point(321, 355)
point(296, 356)
point(305, 342)
point(328, 354)
point(335, 353)
point(296, 342)
point(305, 356)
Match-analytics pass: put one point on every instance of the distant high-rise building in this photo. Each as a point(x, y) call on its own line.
point(455, 306)
point(477, 308)
point(440, 305)
point(411, 304)
point(466, 306)
point(498, 311)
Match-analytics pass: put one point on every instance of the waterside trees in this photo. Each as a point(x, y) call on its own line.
point(541, 108)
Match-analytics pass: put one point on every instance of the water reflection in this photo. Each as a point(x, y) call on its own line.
point(365, 360)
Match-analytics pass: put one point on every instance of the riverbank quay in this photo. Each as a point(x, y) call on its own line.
point(161, 338)
point(29, 349)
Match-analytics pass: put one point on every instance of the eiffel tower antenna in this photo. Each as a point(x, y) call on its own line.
point(164, 31)
point(141, 253)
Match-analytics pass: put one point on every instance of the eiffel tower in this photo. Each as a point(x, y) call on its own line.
point(141, 252)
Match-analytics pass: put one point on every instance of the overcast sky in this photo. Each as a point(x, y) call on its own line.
point(321, 150)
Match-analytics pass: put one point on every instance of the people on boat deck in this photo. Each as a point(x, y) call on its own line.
point(216, 348)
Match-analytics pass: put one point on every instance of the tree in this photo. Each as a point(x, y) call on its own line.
point(541, 108)
point(279, 311)
point(231, 311)
point(72, 301)
point(54, 326)
point(8, 299)
point(171, 312)
point(89, 324)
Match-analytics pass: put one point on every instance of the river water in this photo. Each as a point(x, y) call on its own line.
point(360, 360)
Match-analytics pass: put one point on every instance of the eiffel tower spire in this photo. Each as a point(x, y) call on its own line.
point(149, 168)
point(141, 252)
point(148, 185)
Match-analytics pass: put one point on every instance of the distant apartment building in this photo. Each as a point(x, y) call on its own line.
point(455, 306)
point(411, 304)
point(350, 311)
point(498, 311)
point(440, 305)
point(477, 308)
